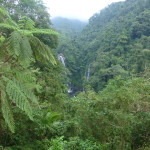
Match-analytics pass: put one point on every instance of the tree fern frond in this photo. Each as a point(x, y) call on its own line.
point(11, 22)
point(8, 26)
point(49, 55)
point(50, 118)
point(28, 78)
point(45, 31)
point(6, 21)
point(13, 44)
point(26, 23)
point(38, 31)
point(25, 76)
point(42, 52)
point(3, 12)
point(18, 45)
point(26, 52)
point(15, 94)
point(7, 114)
point(27, 92)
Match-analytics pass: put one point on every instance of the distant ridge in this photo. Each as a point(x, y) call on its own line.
point(68, 26)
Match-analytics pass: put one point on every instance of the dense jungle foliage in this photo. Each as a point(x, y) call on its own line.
point(107, 63)
point(115, 42)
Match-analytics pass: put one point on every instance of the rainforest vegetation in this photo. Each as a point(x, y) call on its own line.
point(106, 64)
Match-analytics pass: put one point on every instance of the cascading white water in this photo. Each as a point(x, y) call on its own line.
point(70, 90)
point(62, 59)
point(88, 73)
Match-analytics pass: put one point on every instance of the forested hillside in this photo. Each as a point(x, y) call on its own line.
point(68, 27)
point(106, 63)
point(115, 42)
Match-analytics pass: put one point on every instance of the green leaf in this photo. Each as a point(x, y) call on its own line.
point(6, 111)
point(15, 93)
point(7, 26)
point(42, 52)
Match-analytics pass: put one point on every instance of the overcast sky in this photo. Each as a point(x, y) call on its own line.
point(79, 9)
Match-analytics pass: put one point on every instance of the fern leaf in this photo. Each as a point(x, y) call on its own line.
point(26, 52)
point(18, 97)
point(8, 26)
point(44, 31)
point(4, 12)
point(38, 31)
point(42, 52)
point(13, 44)
point(11, 22)
point(19, 45)
point(27, 92)
point(7, 113)
point(26, 76)
point(26, 23)
point(6, 21)
point(50, 118)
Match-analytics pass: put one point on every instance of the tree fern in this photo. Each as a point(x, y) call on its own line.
point(15, 93)
point(22, 42)
point(18, 51)
point(25, 25)
point(7, 113)
point(24, 47)
point(19, 94)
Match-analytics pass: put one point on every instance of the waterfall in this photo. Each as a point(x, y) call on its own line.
point(70, 90)
point(88, 73)
point(62, 59)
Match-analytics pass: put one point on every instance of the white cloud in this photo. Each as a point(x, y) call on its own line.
point(81, 9)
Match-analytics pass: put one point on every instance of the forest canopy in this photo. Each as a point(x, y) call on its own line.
point(106, 66)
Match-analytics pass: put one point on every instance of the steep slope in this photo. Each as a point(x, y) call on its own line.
point(115, 42)
point(69, 29)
